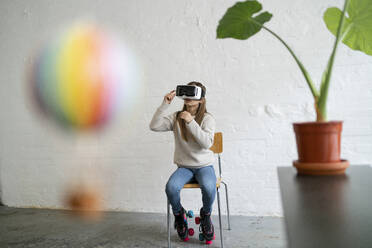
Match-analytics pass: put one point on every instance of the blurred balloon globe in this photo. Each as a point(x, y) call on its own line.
point(85, 76)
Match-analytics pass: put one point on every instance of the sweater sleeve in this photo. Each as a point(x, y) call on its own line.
point(203, 134)
point(160, 121)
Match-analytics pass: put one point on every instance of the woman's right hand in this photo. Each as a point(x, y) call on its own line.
point(169, 97)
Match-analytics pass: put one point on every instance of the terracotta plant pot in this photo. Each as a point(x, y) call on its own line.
point(319, 148)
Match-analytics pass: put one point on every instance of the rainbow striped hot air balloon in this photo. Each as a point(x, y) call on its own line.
point(82, 78)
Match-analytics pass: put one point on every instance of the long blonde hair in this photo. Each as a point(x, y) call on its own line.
point(202, 109)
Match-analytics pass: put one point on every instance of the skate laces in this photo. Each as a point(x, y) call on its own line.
point(206, 223)
point(180, 222)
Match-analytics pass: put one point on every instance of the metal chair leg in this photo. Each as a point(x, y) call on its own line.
point(227, 204)
point(219, 216)
point(168, 224)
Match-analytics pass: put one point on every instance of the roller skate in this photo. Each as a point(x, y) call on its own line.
point(206, 227)
point(180, 224)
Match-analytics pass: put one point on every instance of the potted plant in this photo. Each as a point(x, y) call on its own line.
point(318, 142)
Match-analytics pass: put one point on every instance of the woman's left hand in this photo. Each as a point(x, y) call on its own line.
point(186, 116)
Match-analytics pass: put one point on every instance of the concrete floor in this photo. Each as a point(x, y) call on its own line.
point(57, 228)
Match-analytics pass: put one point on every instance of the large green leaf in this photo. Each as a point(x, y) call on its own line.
point(357, 28)
point(239, 23)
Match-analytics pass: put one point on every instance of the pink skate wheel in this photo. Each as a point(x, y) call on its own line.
point(197, 220)
point(186, 239)
point(191, 232)
point(208, 242)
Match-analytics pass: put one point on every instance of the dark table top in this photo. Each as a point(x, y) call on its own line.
point(327, 211)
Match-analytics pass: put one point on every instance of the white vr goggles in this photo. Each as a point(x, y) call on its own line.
point(191, 92)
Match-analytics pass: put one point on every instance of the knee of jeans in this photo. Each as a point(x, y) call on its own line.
point(171, 189)
point(209, 188)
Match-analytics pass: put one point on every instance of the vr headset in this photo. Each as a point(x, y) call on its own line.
point(190, 92)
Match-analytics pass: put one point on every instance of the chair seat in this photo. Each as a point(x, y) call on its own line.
point(194, 184)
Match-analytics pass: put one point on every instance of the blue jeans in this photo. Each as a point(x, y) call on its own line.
point(206, 178)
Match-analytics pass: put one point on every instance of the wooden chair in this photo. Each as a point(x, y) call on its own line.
point(217, 148)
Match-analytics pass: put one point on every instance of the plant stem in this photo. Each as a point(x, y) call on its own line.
point(322, 104)
point(302, 68)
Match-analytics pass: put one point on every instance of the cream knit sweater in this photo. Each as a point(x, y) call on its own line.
point(192, 154)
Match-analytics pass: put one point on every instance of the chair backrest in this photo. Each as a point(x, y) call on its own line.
point(217, 147)
point(217, 144)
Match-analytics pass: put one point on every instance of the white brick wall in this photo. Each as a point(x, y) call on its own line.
point(255, 92)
